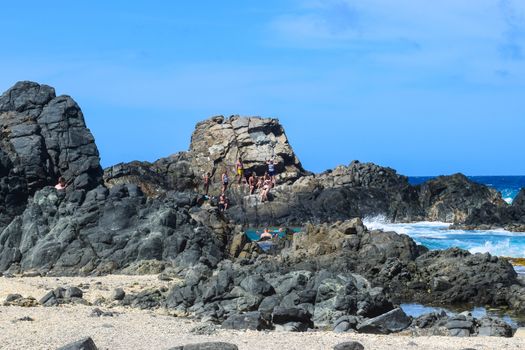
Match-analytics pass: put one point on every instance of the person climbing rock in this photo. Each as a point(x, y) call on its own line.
point(239, 167)
point(225, 182)
point(207, 181)
point(252, 182)
point(61, 185)
point(223, 203)
point(271, 170)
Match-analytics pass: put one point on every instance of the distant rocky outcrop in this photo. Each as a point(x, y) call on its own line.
point(453, 198)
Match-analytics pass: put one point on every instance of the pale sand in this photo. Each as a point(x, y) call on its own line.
point(135, 329)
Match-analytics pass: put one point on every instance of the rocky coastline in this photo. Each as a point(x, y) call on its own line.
point(143, 218)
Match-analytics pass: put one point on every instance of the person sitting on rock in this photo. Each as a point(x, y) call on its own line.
point(271, 170)
point(223, 202)
point(61, 185)
point(252, 181)
point(225, 182)
point(239, 167)
point(266, 189)
point(260, 182)
point(207, 181)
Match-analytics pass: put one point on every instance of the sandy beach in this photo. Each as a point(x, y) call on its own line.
point(51, 327)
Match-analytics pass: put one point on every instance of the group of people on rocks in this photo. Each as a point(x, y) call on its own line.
point(263, 183)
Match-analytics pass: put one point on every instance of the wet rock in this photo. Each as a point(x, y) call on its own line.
point(452, 198)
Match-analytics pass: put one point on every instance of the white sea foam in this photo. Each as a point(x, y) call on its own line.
point(437, 235)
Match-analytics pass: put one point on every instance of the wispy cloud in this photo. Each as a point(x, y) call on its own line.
point(514, 34)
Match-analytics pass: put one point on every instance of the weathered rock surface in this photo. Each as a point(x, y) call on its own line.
point(459, 325)
point(453, 198)
point(43, 137)
point(359, 190)
point(350, 345)
point(207, 346)
point(490, 215)
point(218, 142)
point(173, 173)
point(267, 293)
point(145, 217)
point(102, 231)
point(83, 344)
point(408, 271)
point(391, 322)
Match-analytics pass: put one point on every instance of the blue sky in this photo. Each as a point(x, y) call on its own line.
point(425, 87)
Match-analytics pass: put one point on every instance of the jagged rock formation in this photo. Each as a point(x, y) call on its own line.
point(104, 231)
point(148, 216)
point(490, 215)
point(358, 190)
point(43, 137)
point(218, 142)
point(407, 271)
point(173, 173)
point(453, 198)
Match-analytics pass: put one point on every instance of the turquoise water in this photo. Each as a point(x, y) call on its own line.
point(436, 235)
point(254, 233)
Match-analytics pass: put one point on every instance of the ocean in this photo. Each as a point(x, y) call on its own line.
point(436, 235)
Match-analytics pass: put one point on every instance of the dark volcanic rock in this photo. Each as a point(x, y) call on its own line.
point(350, 345)
point(358, 190)
point(172, 173)
point(107, 230)
point(391, 322)
point(254, 321)
point(453, 198)
point(43, 137)
point(408, 271)
point(207, 346)
point(83, 344)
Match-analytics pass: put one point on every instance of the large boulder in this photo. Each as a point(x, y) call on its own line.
point(391, 322)
point(453, 198)
point(218, 142)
